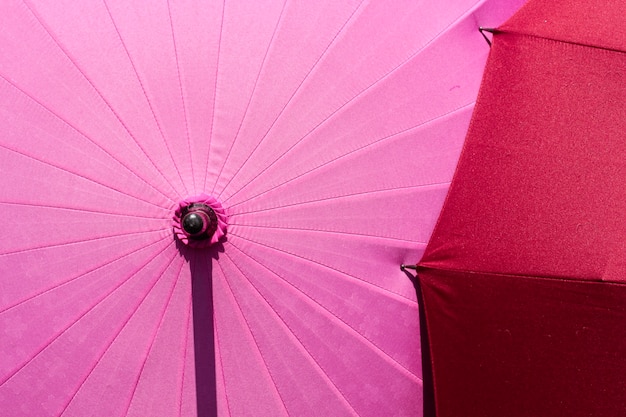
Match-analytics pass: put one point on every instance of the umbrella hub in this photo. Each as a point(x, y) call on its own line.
point(199, 221)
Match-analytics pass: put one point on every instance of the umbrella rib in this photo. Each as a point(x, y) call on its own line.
point(297, 89)
point(217, 65)
point(78, 175)
point(153, 339)
point(290, 330)
point(366, 147)
point(256, 81)
point(84, 274)
point(331, 232)
point(547, 38)
point(218, 355)
point(254, 338)
point(143, 89)
point(366, 341)
point(338, 197)
point(62, 332)
point(81, 133)
point(81, 210)
point(362, 92)
point(76, 242)
point(117, 116)
point(396, 296)
point(182, 93)
point(182, 377)
point(121, 329)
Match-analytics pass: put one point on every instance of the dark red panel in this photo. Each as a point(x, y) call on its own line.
point(512, 346)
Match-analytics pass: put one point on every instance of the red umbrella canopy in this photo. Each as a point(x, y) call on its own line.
point(205, 202)
point(523, 279)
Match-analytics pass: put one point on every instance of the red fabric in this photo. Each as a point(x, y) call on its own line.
point(511, 346)
point(523, 280)
point(540, 184)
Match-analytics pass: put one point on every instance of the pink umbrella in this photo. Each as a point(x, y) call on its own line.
point(205, 203)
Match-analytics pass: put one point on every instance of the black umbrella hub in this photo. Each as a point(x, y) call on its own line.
point(200, 221)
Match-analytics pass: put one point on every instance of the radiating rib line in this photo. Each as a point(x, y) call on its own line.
point(75, 242)
point(366, 341)
point(352, 152)
point(78, 175)
point(182, 377)
point(182, 95)
point(218, 355)
point(127, 320)
point(313, 67)
point(358, 95)
point(81, 133)
point(153, 339)
point(313, 360)
point(143, 89)
point(256, 343)
point(256, 81)
point(330, 232)
point(80, 317)
point(117, 116)
point(217, 66)
point(234, 214)
point(396, 296)
point(70, 280)
point(81, 210)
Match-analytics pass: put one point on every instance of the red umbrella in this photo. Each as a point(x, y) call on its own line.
point(204, 202)
point(523, 279)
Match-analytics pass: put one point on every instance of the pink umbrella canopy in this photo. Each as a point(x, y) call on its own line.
point(205, 203)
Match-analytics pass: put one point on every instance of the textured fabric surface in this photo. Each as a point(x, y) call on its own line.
point(327, 130)
point(523, 277)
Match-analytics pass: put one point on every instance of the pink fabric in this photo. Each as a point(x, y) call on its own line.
point(329, 132)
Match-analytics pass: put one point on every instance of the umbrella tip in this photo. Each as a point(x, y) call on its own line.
point(404, 267)
point(482, 31)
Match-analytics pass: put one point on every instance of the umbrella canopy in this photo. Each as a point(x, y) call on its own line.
point(523, 280)
point(205, 203)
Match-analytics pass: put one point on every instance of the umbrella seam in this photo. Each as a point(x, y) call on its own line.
point(377, 348)
point(182, 94)
point(336, 232)
point(589, 280)
point(83, 210)
point(75, 129)
point(337, 197)
point(297, 89)
point(563, 41)
point(8, 377)
point(185, 351)
point(400, 297)
point(362, 92)
point(117, 116)
point(70, 280)
point(252, 94)
point(375, 143)
point(77, 175)
point(221, 366)
point(254, 338)
point(143, 89)
point(128, 319)
point(290, 331)
point(217, 66)
point(154, 337)
point(75, 242)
